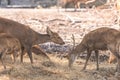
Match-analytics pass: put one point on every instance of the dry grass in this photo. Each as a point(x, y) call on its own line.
point(43, 69)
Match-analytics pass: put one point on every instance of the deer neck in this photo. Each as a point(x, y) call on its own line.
point(42, 38)
point(79, 49)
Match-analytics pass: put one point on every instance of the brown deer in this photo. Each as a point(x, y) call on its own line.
point(38, 51)
point(9, 45)
point(27, 36)
point(75, 2)
point(100, 39)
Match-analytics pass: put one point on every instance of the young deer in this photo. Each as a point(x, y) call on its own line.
point(38, 51)
point(9, 45)
point(27, 36)
point(100, 39)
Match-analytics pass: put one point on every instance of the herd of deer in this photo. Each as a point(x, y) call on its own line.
point(76, 3)
point(16, 38)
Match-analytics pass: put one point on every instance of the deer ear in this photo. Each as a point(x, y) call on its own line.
point(49, 31)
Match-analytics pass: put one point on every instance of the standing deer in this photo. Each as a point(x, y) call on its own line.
point(100, 39)
point(9, 45)
point(27, 36)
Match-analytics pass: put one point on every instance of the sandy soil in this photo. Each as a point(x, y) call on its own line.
point(66, 24)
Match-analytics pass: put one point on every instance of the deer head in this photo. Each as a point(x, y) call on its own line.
point(71, 58)
point(72, 55)
point(55, 37)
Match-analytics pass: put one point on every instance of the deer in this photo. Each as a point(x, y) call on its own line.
point(9, 45)
point(38, 51)
point(75, 2)
point(27, 36)
point(99, 39)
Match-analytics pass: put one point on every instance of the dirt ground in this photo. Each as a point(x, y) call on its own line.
point(65, 23)
point(43, 69)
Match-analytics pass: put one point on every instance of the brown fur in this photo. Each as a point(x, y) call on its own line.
point(9, 45)
point(38, 51)
point(99, 39)
point(111, 58)
point(27, 36)
point(75, 2)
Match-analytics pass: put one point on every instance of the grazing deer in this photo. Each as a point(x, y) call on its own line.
point(9, 45)
point(75, 2)
point(100, 39)
point(38, 51)
point(27, 36)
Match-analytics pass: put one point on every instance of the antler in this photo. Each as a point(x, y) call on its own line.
point(73, 38)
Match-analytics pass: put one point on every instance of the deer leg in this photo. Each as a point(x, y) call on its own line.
point(118, 65)
point(115, 51)
point(97, 56)
point(65, 6)
point(58, 5)
point(111, 58)
point(22, 53)
point(118, 60)
point(14, 56)
point(88, 56)
point(76, 6)
point(1, 58)
point(29, 52)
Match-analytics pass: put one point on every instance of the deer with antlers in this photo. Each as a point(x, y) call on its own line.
point(100, 39)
